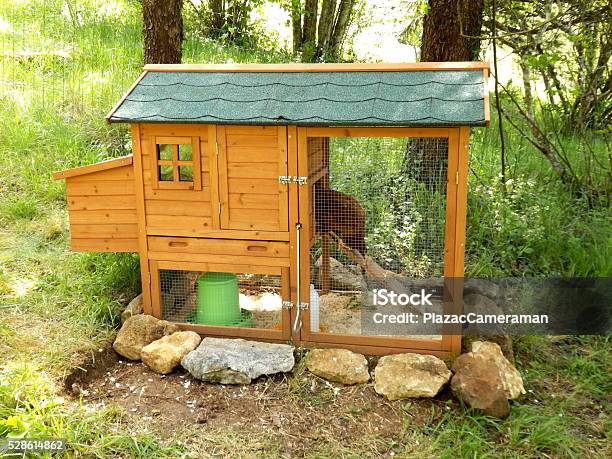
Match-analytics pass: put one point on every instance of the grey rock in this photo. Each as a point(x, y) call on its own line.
point(482, 305)
point(237, 361)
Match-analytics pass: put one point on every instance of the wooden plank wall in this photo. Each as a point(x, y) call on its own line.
point(102, 211)
point(254, 163)
point(176, 212)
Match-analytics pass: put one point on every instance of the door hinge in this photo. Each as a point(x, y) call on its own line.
point(217, 147)
point(304, 306)
point(219, 208)
point(457, 178)
point(300, 180)
point(287, 304)
point(285, 179)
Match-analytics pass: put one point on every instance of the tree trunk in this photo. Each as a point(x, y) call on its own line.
point(344, 17)
point(445, 27)
point(309, 33)
point(320, 38)
point(527, 87)
point(163, 31)
point(449, 28)
point(326, 25)
point(217, 17)
point(296, 24)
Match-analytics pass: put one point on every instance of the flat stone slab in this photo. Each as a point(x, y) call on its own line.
point(237, 361)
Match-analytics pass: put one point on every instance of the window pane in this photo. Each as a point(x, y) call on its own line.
point(164, 152)
point(165, 173)
point(186, 173)
point(185, 153)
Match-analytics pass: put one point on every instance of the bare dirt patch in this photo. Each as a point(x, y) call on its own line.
point(300, 411)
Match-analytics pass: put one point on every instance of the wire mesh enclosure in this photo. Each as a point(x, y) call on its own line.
point(222, 299)
point(378, 215)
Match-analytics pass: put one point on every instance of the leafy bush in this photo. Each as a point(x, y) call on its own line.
point(530, 229)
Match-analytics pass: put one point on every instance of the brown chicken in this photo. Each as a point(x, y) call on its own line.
point(341, 214)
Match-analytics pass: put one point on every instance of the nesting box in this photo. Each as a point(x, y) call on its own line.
point(315, 185)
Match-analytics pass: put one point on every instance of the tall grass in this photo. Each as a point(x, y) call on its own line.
point(532, 225)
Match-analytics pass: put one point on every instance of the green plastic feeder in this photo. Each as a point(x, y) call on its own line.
point(218, 300)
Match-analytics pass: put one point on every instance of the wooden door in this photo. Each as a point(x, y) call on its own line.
point(251, 160)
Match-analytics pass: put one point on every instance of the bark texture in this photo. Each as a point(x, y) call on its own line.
point(163, 31)
point(449, 31)
point(449, 28)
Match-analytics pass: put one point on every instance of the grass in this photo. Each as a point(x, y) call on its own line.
point(68, 69)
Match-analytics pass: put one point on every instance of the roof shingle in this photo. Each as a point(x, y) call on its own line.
point(364, 98)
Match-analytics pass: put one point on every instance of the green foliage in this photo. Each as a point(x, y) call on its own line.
point(20, 207)
point(565, 381)
point(532, 226)
point(227, 22)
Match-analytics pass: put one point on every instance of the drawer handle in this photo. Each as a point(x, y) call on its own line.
point(177, 244)
point(257, 248)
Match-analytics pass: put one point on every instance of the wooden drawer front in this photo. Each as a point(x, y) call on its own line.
point(262, 253)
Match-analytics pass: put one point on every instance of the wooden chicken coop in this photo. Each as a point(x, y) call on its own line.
point(269, 201)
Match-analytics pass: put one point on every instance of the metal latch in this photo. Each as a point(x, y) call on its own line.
point(304, 306)
point(287, 304)
point(285, 179)
point(300, 180)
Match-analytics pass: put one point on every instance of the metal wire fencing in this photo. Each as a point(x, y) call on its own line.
point(379, 213)
point(221, 299)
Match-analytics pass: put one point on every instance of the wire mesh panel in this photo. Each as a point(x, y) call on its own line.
point(221, 299)
point(378, 207)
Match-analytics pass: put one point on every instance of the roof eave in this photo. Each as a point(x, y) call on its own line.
point(96, 167)
point(125, 96)
point(376, 67)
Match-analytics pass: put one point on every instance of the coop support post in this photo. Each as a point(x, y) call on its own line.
point(461, 220)
point(143, 248)
point(306, 231)
point(292, 169)
point(297, 324)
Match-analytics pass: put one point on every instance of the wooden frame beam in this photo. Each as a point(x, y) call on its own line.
point(378, 67)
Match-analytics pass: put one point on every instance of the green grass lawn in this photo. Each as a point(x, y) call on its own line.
point(68, 65)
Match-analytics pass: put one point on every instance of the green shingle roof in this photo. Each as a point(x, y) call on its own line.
point(347, 98)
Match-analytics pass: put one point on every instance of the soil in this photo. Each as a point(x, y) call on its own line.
point(296, 405)
point(337, 315)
